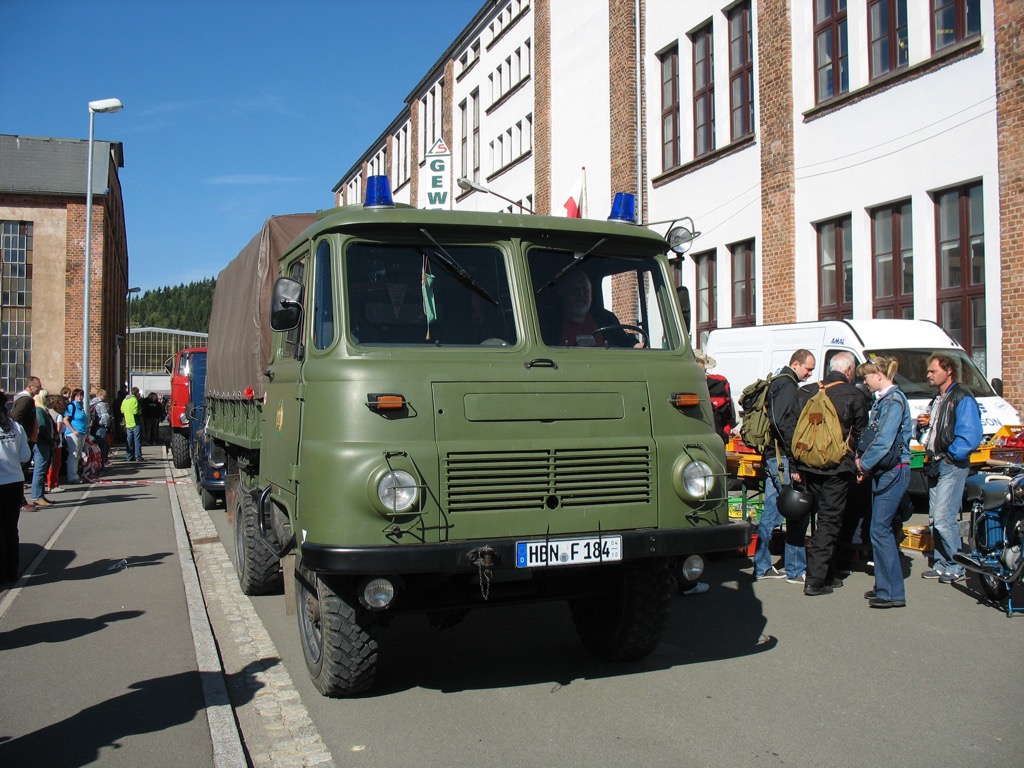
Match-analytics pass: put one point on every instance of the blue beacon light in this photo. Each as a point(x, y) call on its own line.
point(378, 193)
point(623, 208)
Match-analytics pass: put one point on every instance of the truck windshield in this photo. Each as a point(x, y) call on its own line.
point(428, 295)
point(911, 376)
point(573, 294)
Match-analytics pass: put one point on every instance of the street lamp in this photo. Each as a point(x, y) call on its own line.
point(467, 185)
point(103, 105)
point(128, 335)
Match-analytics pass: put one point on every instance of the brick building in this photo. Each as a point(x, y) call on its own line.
point(842, 160)
point(42, 225)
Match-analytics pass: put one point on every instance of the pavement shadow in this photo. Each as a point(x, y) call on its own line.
point(61, 630)
point(56, 567)
point(535, 644)
point(150, 706)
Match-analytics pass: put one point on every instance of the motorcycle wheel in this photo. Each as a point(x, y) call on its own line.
point(993, 588)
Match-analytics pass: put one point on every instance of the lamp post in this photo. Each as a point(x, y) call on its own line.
point(128, 335)
point(468, 184)
point(103, 105)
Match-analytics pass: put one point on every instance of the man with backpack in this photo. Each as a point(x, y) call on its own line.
point(950, 431)
point(781, 409)
point(833, 414)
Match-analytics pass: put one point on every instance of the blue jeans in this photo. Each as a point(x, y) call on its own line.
point(889, 488)
point(944, 501)
point(73, 446)
point(796, 554)
point(41, 457)
point(133, 442)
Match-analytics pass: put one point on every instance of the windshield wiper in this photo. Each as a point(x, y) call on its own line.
point(458, 272)
point(576, 261)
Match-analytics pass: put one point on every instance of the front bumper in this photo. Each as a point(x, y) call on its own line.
point(464, 556)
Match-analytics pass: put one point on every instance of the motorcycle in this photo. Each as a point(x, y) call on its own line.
point(995, 533)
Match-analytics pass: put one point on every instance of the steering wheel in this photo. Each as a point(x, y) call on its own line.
point(622, 327)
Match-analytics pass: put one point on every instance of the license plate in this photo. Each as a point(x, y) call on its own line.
point(533, 554)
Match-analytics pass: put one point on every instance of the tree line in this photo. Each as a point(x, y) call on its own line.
point(184, 307)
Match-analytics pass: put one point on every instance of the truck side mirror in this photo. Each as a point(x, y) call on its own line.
point(285, 304)
point(683, 293)
point(997, 385)
point(186, 415)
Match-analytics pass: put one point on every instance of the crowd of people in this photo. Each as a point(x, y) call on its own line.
point(50, 440)
point(872, 479)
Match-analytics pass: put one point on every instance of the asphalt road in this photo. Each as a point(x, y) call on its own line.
point(748, 674)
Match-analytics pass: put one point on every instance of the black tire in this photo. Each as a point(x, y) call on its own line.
point(994, 589)
point(627, 623)
point(259, 570)
point(340, 654)
point(210, 500)
point(179, 451)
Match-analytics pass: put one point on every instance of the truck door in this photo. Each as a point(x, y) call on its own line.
point(282, 414)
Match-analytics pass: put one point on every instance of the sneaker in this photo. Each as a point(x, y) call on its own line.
point(870, 594)
point(58, 489)
point(801, 579)
point(931, 573)
point(837, 582)
point(951, 578)
point(42, 503)
point(771, 573)
point(816, 591)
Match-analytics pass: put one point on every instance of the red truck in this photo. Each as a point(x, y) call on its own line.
point(180, 368)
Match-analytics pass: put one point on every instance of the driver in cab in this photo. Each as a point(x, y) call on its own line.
point(580, 320)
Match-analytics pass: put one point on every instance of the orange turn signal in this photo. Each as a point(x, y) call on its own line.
point(684, 399)
point(380, 402)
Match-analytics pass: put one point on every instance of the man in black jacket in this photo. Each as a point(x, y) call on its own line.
point(783, 410)
point(831, 487)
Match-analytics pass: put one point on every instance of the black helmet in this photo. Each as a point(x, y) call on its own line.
point(795, 504)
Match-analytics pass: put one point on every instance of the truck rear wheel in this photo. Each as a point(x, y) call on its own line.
point(626, 624)
point(340, 654)
point(259, 571)
point(179, 451)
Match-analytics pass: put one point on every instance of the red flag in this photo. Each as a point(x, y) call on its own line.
point(576, 203)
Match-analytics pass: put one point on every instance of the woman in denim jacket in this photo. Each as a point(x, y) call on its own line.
point(886, 460)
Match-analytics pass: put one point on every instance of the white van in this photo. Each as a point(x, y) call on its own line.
point(744, 355)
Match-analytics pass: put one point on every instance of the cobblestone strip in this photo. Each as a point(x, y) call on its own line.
point(289, 736)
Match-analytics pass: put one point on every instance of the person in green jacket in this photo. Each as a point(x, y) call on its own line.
point(131, 411)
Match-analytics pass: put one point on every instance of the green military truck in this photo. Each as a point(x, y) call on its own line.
point(421, 413)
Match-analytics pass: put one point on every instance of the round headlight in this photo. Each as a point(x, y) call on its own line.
point(693, 567)
point(398, 491)
point(377, 594)
point(698, 479)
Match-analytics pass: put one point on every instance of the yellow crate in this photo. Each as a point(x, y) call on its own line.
point(917, 538)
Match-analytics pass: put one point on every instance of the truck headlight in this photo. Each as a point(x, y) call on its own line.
point(693, 480)
point(398, 491)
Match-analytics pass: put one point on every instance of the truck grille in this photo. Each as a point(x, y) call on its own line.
point(547, 479)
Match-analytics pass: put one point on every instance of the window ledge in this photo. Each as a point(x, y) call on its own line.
point(507, 95)
point(468, 68)
point(512, 22)
point(706, 159)
point(511, 164)
point(889, 80)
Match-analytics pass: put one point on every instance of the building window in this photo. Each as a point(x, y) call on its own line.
point(960, 222)
point(892, 265)
point(741, 71)
point(835, 270)
point(475, 98)
point(887, 31)
point(831, 54)
point(954, 21)
point(707, 269)
point(15, 304)
point(670, 108)
point(703, 91)
point(744, 284)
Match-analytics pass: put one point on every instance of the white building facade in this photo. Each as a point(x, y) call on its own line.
point(840, 159)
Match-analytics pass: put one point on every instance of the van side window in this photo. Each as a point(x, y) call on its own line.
point(293, 338)
point(323, 297)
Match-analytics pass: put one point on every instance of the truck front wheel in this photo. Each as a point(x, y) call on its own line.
point(341, 655)
point(179, 451)
point(258, 568)
point(626, 623)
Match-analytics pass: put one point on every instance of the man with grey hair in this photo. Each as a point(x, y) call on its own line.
point(831, 487)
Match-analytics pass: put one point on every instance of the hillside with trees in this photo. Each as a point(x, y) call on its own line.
point(181, 307)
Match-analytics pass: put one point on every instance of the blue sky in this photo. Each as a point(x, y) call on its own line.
point(234, 110)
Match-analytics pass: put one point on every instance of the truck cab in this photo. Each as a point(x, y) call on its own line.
point(180, 369)
point(207, 457)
